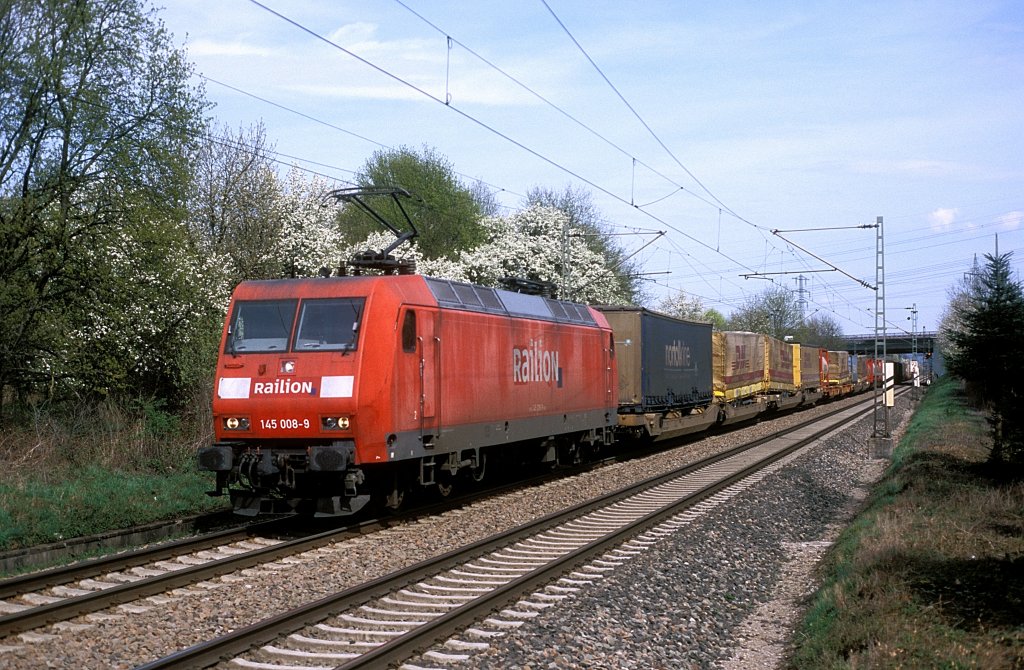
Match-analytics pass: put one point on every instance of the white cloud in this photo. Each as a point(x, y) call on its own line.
point(1010, 220)
point(911, 166)
point(352, 34)
point(943, 218)
point(383, 91)
point(305, 67)
point(205, 48)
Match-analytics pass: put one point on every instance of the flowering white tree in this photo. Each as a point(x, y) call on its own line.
point(152, 319)
point(234, 200)
point(953, 319)
point(309, 238)
point(535, 244)
point(538, 243)
point(157, 314)
point(588, 224)
point(97, 128)
point(691, 308)
point(409, 250)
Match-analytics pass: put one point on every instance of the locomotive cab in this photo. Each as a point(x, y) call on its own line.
point(284, 402)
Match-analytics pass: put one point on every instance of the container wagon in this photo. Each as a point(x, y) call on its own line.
point(664, 373)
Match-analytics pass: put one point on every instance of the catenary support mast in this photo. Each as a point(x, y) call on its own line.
point(881, 434)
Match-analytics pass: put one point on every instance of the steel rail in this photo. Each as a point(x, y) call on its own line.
point(102, 599)
point(70, 607)
point(242, 640)
point(65, 574)
point(436, 631)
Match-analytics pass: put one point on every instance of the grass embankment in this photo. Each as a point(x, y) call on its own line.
point(104, 468)
point(931, 575)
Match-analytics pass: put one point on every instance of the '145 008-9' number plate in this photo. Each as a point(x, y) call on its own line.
point(284, 424)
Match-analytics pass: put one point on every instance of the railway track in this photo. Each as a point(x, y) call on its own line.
point(478, 591)
point(58, 594)
point(70, 550)
point(40, 598)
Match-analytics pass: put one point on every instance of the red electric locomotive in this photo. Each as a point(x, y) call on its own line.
point(335, 389)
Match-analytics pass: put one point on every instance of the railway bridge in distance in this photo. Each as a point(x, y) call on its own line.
point(900, 343)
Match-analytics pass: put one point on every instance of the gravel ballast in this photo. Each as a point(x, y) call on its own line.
point(682, 603)
point(723, 592)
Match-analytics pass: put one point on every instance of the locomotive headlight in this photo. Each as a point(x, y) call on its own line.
point(236, 423)
point(288, 367)
point(335, 422)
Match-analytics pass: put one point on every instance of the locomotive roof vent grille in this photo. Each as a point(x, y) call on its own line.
point(471, 297)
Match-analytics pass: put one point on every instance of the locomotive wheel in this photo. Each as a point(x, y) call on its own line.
point(394, 501)
point(478, 473)
point(393, 498)
point(569, 454)
point(445, 484)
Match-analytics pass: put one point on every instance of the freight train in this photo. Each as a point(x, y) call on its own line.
point(331, 392)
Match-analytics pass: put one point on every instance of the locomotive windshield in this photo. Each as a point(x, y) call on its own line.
point(261, 326)
point(329, 323)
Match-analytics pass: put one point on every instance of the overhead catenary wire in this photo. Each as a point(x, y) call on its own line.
point(721, 206)
point(333, 126)
point(271, 155)
point(732, 257)
point(483, 125)
point(634, 160)
point(537, 154)
point(642, 121)
point(760, 229)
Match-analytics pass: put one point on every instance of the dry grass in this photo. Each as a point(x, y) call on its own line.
point(139, 437)
point(96, 468)
point(932, 574)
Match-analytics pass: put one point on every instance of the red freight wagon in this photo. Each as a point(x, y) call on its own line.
point(332, 390)
point(874, 371)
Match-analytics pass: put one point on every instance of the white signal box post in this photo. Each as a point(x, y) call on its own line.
point(881, 443)
point(890, 384)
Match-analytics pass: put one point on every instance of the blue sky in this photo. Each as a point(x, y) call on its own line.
point(759, 116)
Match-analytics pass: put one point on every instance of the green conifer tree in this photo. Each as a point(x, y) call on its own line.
point(991, 354)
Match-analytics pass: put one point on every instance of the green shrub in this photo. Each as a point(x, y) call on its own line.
point(96, 501)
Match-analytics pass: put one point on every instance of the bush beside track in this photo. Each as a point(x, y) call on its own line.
point(105, 468)
point(932, 573)
point(96, 501)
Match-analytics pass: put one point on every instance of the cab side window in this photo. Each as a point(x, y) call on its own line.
point(409, 332)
